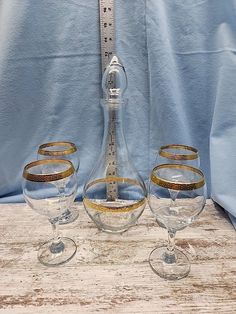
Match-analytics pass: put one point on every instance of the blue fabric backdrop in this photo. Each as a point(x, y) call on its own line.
point(180, 60)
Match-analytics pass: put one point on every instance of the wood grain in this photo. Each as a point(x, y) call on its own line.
point(110, 273)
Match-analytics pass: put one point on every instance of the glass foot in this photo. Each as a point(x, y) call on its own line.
point(173, 269)
point(69, 216)
point(50, 254)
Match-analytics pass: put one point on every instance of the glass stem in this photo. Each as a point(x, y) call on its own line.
point(61, 191)
point(57, 245)
point(173, 195)
point(169, 256)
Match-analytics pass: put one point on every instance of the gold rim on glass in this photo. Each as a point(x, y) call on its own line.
point(46, 152)
point(48, 177)
point(179, 186)
point(114, 209)
point(169, 155)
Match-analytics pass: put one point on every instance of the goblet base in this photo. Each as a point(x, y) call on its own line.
point(50, 254)
point(69, 216)
point(176, 268)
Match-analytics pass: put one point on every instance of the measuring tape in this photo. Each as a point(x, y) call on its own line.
point(107, 33)
point(107, 30)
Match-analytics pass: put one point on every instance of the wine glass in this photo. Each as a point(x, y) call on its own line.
point(42, 195)
point(67, 151)
point(174, 213)
point(177, 154)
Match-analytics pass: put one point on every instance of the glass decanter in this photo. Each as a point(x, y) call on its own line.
point(114, 195)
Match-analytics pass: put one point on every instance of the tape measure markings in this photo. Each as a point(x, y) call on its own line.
point(107, 33)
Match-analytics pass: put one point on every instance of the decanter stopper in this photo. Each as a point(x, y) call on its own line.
point(114, 81)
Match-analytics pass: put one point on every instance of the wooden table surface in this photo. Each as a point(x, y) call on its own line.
point(110, 273)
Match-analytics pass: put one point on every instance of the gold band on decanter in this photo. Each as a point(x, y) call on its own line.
point(71, 148)
point(193, 155)
point(115, 209)
point(106, 207)
point(179, 186)
point(48, 177)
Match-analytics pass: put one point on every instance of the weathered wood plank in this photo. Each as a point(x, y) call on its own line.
point(110, 273)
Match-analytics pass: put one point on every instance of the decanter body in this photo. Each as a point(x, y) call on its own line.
point(114, 195)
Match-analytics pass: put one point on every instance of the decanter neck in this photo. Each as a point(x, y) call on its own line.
point(114, 142)
point(113, 116)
